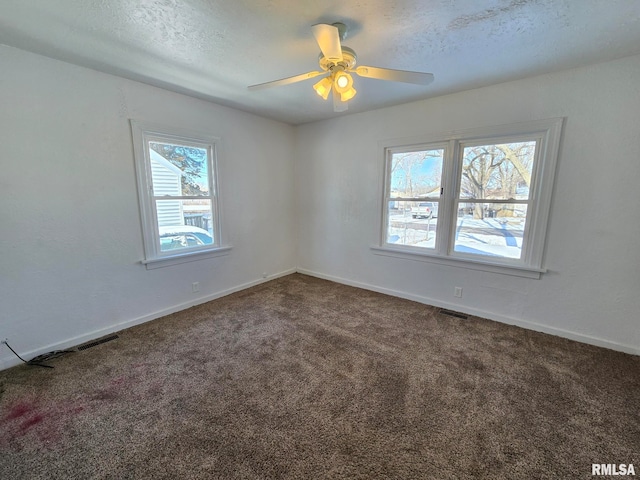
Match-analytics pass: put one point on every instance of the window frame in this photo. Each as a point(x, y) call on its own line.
point(547, 133)
point(143, 133)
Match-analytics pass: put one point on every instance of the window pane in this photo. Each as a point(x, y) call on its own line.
point(179, 170)
point(412, 223)
point(415, 174)
point(497, 172)
point(490, 229)
point(184, 224)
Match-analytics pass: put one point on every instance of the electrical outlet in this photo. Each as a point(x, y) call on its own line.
point(264, 274)
point(457, 292)
point(195, 287)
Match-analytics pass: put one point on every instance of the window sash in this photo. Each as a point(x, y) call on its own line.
point(416, 147)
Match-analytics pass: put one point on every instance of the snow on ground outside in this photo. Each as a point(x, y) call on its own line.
point(489, 236)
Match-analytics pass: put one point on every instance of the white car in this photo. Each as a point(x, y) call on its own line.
point(425, 210)
point(183, 236)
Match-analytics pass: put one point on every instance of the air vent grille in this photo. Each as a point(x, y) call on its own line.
point(451, 313)
point(97, 342)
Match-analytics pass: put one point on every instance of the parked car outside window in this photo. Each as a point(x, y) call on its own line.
point(183, 236)
point(425, 210)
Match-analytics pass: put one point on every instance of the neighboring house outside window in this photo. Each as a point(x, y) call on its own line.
point(178, 193)
point(481, 197)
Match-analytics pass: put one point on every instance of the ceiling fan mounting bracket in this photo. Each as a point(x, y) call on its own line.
point(348, 62)
point(342, 30)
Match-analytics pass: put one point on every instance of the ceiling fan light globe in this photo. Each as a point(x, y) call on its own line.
point(348, 95)
point(323, 87)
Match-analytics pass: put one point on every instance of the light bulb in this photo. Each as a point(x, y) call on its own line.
point(342, 82)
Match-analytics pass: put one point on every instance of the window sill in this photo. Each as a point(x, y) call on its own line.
point(485, 266)
point(153, 263)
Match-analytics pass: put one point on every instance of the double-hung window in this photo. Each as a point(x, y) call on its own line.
point(178, 194)
point(481, 196)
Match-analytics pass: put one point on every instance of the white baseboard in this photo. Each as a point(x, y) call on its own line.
point(11, 360)
point(559, 332)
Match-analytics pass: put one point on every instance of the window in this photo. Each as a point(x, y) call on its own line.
point(177, 186)
point(414, 189)
point(481, 196)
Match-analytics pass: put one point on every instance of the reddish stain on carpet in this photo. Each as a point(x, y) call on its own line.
point(31, 421)
point(19, 420)
point(19, 410)
point(29, 425)
point(24, 415)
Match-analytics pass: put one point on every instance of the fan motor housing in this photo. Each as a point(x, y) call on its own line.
point(349, 58)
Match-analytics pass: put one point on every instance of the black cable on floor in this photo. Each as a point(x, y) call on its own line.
point(40, 358)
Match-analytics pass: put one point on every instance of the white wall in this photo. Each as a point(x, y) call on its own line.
point(592, 289)
point(70, 241)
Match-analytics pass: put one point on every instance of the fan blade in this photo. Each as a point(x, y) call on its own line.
point(328, 38)
point(405, 76)
point(286, 81)
point(338, 105)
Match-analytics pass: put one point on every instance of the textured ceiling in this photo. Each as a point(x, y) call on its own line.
point(214, 49)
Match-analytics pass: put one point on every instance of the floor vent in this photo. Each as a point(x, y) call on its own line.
point(451, 313)
point(97, 342)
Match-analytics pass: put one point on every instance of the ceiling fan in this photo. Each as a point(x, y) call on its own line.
point(338, 62)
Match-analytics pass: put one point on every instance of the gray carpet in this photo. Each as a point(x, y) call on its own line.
point(301, 378)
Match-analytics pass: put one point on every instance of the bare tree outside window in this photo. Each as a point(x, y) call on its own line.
point(496, 172)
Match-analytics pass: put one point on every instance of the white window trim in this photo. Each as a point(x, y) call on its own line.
point(185, 257)
point(548, 132)
point(141, 132)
